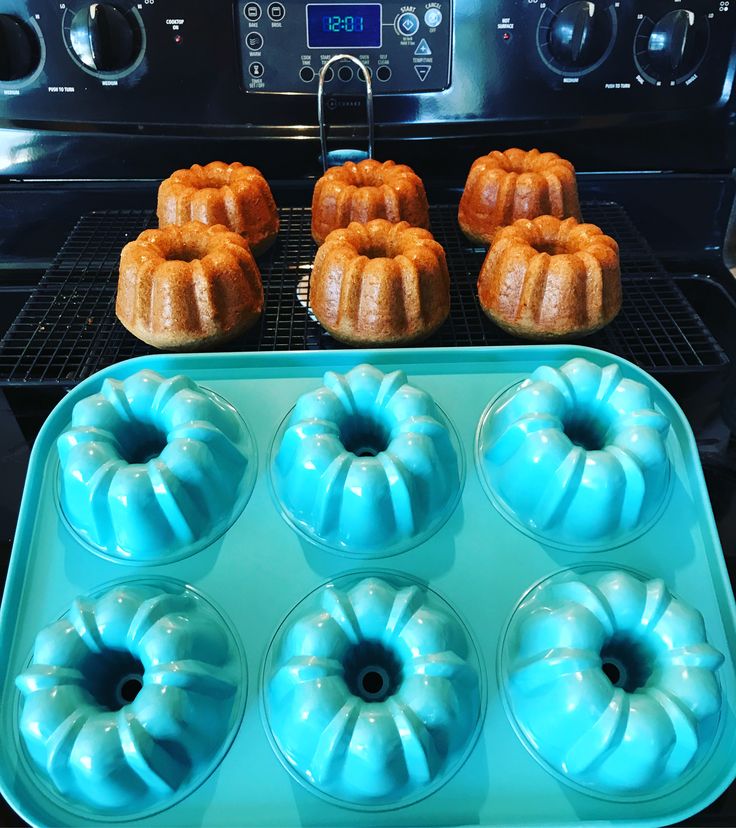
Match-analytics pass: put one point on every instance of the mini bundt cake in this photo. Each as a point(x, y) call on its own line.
point(238, 197)
point(131, 699)
point(547, 279)
point(188, 287)
point(373, 692)
point(612, 681)
point(364, 191)
point(380, 284)
point(505, 186)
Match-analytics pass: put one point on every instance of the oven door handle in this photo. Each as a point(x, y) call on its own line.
point(321, 108)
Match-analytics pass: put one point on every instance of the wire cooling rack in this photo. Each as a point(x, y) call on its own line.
point(67, 329)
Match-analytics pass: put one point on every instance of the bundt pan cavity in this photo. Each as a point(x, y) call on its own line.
point(373, 692)
point(132, 698)
point(611, 681)
point(153, 469)
point(577, 455)
point(367, 463)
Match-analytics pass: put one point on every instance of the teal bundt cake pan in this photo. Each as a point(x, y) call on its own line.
point(577, 454)
point(132, 698)
point(367, 463)
point(611, 681)
point(415, 697)
point(373, 692)
point(153, 469)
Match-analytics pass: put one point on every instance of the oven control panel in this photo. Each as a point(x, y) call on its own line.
point(283, 45)
point(251, 66)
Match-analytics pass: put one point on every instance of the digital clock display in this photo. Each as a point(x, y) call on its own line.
point(343, 25)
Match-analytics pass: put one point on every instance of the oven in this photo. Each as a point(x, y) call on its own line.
point(99, 102)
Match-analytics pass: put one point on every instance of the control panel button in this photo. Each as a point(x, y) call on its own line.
point(276, 11)
point(422, 70)
point(19, 49)
point(252, 12)
point(383, 73)
point(254, 41)
point(256, 69)
point(306, 73)
point(423, 48)
point(407, 24)
point(361, 76)
point(433, 18)
point(345, 73)
point(329, 74)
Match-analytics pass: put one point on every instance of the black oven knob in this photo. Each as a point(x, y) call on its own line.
point(580, 34)
point(105, 38)
point(677, 44)
point(20, 51)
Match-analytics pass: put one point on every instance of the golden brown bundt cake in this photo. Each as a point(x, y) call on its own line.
point(189, 286)
point(549, 279)
point(505, 186)
point(365, 191)
point(238, 197)
point(380, 283)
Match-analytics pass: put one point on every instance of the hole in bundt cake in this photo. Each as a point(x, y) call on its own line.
point(188, 252)
point(367, 177)
point(378, 250)
point(372, 671)
point(553, 249)
point(587, 432)
point(626, 663)
point(213, 177)
point(114, 678)
point(524, 162)
point(150, 443)
point(365, 438)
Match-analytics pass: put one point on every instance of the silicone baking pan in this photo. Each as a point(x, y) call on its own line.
point(398, 587)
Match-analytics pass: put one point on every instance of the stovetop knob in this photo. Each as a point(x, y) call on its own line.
point(579, 34)
point(20, 50)
point(104, 38)
point(674, 46)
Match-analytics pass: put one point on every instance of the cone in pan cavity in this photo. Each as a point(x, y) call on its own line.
point(373, 692)
point(367, 463)
point(154, 468)
point(577, 454)
point(611, 681)
point(131, 699)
